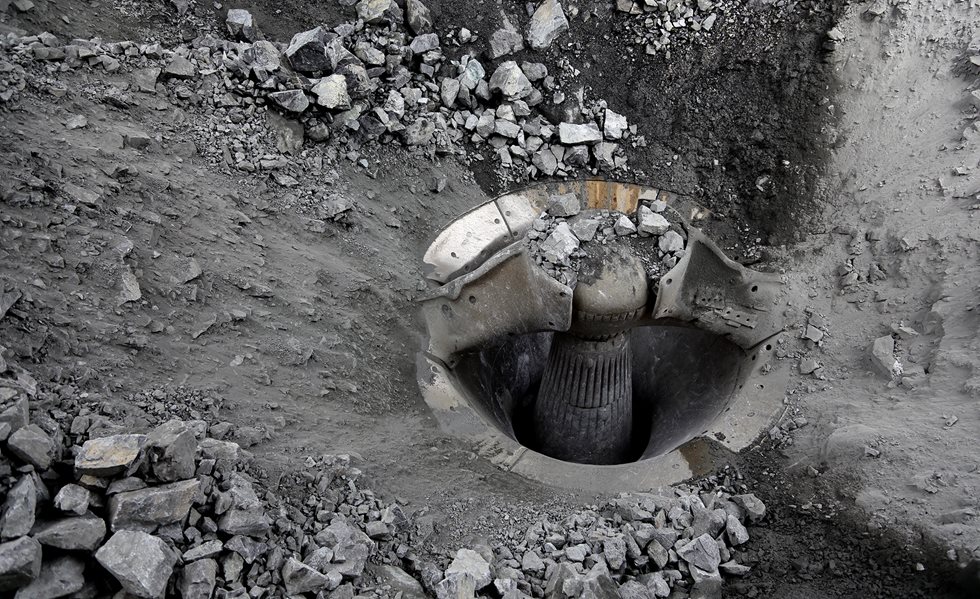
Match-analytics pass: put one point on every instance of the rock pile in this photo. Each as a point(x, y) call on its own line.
point(384, 78)
point(173, 511)
point(638, 546)
point(661, 23)
point(559, 238)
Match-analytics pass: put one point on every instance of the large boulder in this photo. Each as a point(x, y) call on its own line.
point(306, 52)
point(146, 509)
point(142, 563)
point(108, 456)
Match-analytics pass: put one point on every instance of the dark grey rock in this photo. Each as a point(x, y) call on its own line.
point(306, 51)
point(32, 445)
point(241, 25)
point(18, 509)
point(81, 533)
point(58, 577)
point(146, 509)
point(291, 100)
point(142, 563)
point(565, 205)
point(180, 68)
point(198, 579)
point(170, 450)
point(72, 499)
point(207, 549)
point(300, 578)
point(701, 552)
point(418, 16)
point(753, 507)
point(20, 563)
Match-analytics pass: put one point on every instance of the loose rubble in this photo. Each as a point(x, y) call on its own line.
point(660, 24)
point(173, 510)
point(559, 238)
point(386, 78)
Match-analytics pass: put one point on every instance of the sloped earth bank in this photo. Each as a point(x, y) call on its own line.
point(306, 329)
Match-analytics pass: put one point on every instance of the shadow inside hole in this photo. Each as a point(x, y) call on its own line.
point(683, 380)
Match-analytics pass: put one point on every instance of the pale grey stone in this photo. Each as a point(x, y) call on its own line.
point(142, 563)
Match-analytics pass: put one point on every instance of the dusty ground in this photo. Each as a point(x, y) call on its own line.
point(813, 149)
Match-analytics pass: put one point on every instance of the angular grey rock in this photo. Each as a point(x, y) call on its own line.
point(449, 91)
point(656, 552)
point(472, 74)
point(399, 580)
point(532, 562)
point(505, 40)
point(32, 445)
point(378, 11)
point(350, 558)
point(584, 228)
point(83, 533)
point(207, 549)
point(419, 133)
point(559, 245)
point(15, 412)
point(18, 509)
point(248, 548)
point(170, 448)
point(142, 563)
point(634, 589)
point(547, 23)
point(565, 205)
point(624, 226)
point(563, 583)
point(307, 50)
point(656, 584)
point(198, 579)
point(508, 129)
point(753, 507)
point(300, 578)
point(457, 586)
point(614, 125)
point(263, 55)
point(509, 80)
point(291, 100)
point(241, 25)
point(605, 155)
point(614, 551)
point(577, 156)
point(331, 92)
point(737, 534)
point(108, 456)
point(146, 509)
point(57, 578)
point(470, 564)
point(418, 17)
point(534, 71)
point(20, 563)
point(650, 223)
point(545, 161)
point(883, 356)
point(72, 499)
point(574, 134)
point(424, 42)
point(701, 552)
point(180, 68)
point(671, 241)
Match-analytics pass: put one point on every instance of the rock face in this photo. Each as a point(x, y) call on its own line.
point(20, 563)
point(547, 23)
point(141, 562)
point(108, 456)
